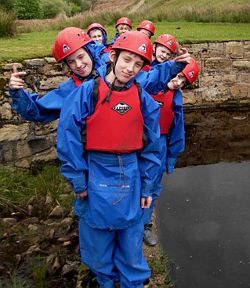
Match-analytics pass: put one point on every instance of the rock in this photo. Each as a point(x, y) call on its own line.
point(48, 200)
point(9, 221)
point(29, 209)
point(57, 212)
point(33, 227)
point(70, 269)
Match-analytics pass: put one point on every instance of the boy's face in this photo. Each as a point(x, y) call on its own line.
point(122, 28)
point(177, 82)
point(128, 65)
point(162, 53)
point(80, 63)
point(96, 35)
point(146, 32)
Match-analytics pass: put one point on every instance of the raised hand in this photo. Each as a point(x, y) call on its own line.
point(183, 56)
point(16, 82)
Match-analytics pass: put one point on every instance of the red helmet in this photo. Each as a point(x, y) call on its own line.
point(191, 71)
point(147, 25)
point(125, 21)
point(68, 41)
point(168, 41)
point(136, 42)
point(96, 26)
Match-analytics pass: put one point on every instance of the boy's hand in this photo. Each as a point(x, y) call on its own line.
point(82, 195)
point(15, 79)
point(146, 202)
point(184, 56)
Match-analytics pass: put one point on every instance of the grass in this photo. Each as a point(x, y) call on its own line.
point(17, 187)
point(196, 11)
point(38, 44)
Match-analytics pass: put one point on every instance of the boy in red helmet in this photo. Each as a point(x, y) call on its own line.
point(98, 33)
point(123, 24)
point(113, 172)
point(172, 140)
point(77, 50)
point(165, 46)
point(147, 27)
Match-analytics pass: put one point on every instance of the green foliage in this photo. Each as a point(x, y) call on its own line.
point(196, 11)
point(52, 8)
point(39, 272)
point(18, 186)
point(7, 23)
point(28, 9)
point(7, 5)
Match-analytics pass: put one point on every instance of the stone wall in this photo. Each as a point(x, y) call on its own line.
point(224, 79)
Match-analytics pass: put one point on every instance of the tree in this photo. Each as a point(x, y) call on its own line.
point(7, 5)
point(52, 8)
point(28, 9)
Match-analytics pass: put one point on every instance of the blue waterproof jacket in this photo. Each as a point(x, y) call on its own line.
point(176, 138)
point(72, 120)
point(33, 107)
point(110, 205)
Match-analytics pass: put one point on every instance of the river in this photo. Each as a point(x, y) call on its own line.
point(204, 210)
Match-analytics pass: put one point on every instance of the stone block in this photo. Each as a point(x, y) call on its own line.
point(235, 50)
point(216, 49)
point(30, 63)
point(6, 111)
point(240, 90)
point(217, 64)
point(51, 83)
point(13, 132)
point(218, 93)
point(9, 66)
point(244, 78)
point(242, 65)
point(189, 98)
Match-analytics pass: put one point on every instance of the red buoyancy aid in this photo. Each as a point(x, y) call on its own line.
point(165, 101)
point(146, 68)
point(76, 80)
point(115, 126)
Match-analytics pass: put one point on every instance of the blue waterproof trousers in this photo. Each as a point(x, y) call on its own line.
point(147, 215)
point(114, 255)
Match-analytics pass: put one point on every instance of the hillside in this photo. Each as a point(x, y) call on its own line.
point(111, 5)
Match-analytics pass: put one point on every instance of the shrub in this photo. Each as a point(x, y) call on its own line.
point(50, 9)
point(7, 23)
point(28, 9)
point(7, 5)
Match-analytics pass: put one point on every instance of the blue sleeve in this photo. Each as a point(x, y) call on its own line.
point(112, 41)
point(149, 162)
point(70, 147)
point(176, 137)
point(96, 50)
point(155, 79)
point(33, 107)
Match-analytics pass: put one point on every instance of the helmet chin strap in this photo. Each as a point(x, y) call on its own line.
point(107, 98)
point(112, 86)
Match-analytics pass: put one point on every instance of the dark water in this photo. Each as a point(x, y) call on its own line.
point(204, 210)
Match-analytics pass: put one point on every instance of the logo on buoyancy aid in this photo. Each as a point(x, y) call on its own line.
point(161, 104)
point(121, 108)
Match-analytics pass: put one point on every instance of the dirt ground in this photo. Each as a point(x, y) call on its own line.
point(39, 248)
